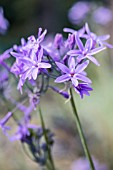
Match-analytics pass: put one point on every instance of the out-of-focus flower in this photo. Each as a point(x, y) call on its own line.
point(78, 12)
point(3, 22)
point(102, 15)
point(83, 164)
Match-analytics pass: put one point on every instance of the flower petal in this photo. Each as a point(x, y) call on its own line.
point(44, 65)
point(79, 43)
point(83, 78)
point(81, 67)
point(62, 67)
point(62, 78)
point(93, 60)
point(96, 50)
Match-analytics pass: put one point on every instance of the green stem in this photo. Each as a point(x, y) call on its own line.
point(46, 139)
point(81, 134)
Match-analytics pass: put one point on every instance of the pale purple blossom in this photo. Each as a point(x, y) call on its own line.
point(100, 40)
point(78, 12)
point(102, 15)
point(29, 60)
point(73, 72)
point(86, 51)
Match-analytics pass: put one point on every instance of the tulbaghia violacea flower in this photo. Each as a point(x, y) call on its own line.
point(29, 60)
point(83, 89)
point(83, 164)
point(100, 40)
point(86, 51)
point(73, 72)
point(3, 22)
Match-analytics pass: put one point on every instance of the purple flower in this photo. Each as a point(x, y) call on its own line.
point(83, 88)
point(3, 22)
point(78, 12)
point(85, 51)
point(100, 40)
point(83, 164)
point(73, 73)
point(29, 62)
point(102, 15)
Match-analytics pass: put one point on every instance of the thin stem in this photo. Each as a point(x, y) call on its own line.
point(81, 134)
point(48, 148)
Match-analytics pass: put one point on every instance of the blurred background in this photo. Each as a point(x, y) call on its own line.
point(95, 112)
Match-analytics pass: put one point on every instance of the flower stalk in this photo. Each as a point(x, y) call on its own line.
point(80, 131)
point(46, 139)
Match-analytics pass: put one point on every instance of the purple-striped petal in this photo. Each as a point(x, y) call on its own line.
point(63, 68)
point(89, 44)
point(71, 63)
point(79, 43)
point(93, 60)
point(87, 29)
point(74, 52)
point(62, 78)
point(44, 65)
point(96, 50)
point(83, 78)
point(104, 37)
point(81, 67)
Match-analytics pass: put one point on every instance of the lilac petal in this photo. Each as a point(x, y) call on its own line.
point(89, 44)
point(104, 37)
point(81, 67)
point(81, 31)
point(74, 52)
point(44, 65)
point(62, 78)
point(74, 82)
point(71, 63)
point(108, 45)
point(87, 29)
point(83, 78)
point(40, 54)
point(34, 73)
point(41, 36)
point(96, 50)
point(93, 60)
point(62, 67)
point(16, 54)
point(69, 30)
point(79, 43)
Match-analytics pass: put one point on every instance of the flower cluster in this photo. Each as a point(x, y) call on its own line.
point(64, 60)
point(41, 66)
